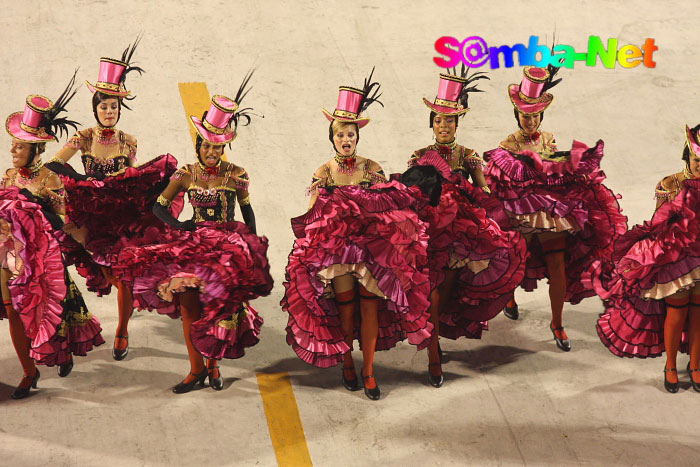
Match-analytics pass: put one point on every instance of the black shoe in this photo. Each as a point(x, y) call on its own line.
point(435, 381)
point(183, 387)
point(372, 394)
point(511, 312)
point(20, 392)
point(350, 384)
point(64, 369)
point(696, 386)
point(217, 384)
point(120, 354)
point(563, 344)
point(670, 387)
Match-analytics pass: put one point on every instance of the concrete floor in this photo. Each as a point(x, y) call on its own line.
point(510, 399)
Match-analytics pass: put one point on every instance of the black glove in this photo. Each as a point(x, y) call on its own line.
point(53, 218)
point(98, 176)
point(249, 217)
point(66, 170)
point(162, 213)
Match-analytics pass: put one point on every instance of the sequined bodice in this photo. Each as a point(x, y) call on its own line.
point(107, 154)
point(212, 204)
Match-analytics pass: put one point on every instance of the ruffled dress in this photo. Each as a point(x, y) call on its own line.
point(373, 234)
point(464, 235)
point(39, 284)
point(114, 209)
point(223, 259)
point(559, 194)
point(652, 261)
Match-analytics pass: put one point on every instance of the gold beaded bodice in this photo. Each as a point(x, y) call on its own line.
point(326, 175)
point(542, 143)
point(41, 182)
point(218, 203)
point(456, 155)
point(104, 150)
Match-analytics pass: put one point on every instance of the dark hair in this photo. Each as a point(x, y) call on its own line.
point(516, 112)
point(35, 149)
point(330, 132)
point(432, 117)
point(100, 97)
point(686, 149)
point(427, 178)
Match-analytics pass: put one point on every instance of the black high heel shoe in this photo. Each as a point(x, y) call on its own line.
point(696, 386)
point(350, 384)
point(183, 387)
point(118, 354)
point(64, 369)
point(563, 344)
point(20, 392)
point(372, 394)
point(435, 381)
point(670, 387)
point(217, 384)
point(511, 312)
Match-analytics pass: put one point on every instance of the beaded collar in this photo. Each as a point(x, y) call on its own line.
point(29, 173)
point(446, 150)
point(209, 173)
point(346, 164)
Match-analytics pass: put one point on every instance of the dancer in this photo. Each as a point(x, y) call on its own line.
point(355, 245)
point(652, 289)
point(205, 269)
point(112, 201)
point(556, 199)
point(49, 321)
point(474, 265)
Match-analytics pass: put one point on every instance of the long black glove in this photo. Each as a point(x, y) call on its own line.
point(53, 218)
point(249, 217)
point(164, 215)
point(68, 171)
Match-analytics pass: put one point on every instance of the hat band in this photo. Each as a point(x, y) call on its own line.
point(110, 86)
point(445, 103)
point(29, 129)
point(344, 114)
point(214, 129)
point(530, 100)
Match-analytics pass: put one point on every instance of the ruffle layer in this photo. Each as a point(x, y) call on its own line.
point(37, 287)
point(227, 263)
point(560, 196)
point(351, 229)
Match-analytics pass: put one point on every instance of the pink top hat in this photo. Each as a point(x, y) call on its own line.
point(692, 141)
point(109, 78)
point(347, 110)
point(528, 97)
point(26, 126)
point(447, 99)
point(215, 126)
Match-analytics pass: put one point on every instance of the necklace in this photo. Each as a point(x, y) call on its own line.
point(446, 150)
point(106, 136)
point(28, 173)
point(346, 164)
point(209, 173)
point(530, 139)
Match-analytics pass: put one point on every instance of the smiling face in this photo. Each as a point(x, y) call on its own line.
point(108, 112)
point(345, 138)
point(444, 127)
point(529, 123)
point(21, 153)
point(210, 154)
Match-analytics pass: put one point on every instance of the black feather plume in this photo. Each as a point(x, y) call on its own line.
point(371, 93)
point(243, 113)
point(53, 125)
point(552, 70)
point(469, 80)
point(127, 55)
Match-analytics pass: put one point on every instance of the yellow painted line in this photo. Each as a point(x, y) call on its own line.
point(283, 419)
point(196, 99)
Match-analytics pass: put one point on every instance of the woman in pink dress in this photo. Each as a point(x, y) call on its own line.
point(651, 288)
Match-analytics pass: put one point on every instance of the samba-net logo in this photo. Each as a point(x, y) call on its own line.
point(474, 53)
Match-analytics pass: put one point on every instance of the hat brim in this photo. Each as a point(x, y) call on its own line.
point(94, 89)
point(14, 128)
point(526, 108)
point(213, 138)
point(361, 122)
point(442, 110)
